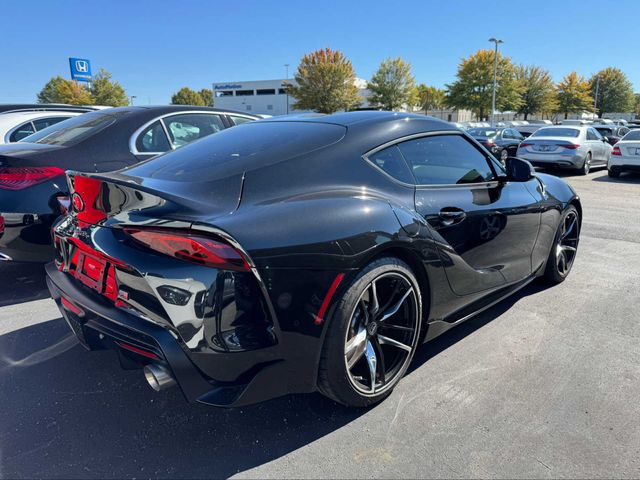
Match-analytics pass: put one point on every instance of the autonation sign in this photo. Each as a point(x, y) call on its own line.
point(228, 86)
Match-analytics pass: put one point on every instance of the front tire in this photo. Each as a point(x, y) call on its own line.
point(565, 247)
point(373, 334)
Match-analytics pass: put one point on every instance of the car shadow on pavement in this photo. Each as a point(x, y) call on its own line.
point(627, 177)
point(70, 414)
point(22, 282)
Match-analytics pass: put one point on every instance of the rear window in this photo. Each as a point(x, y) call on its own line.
point(632, 135)
point(235, 150)
point(556, 132)
point(75, 129)
point(483, 132)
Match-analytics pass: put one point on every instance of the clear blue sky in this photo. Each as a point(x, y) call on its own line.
point(155, 47)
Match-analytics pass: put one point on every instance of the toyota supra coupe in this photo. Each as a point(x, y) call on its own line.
point(32, 180)
point(301, 254)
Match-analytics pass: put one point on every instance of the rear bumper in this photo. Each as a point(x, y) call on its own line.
point(100, 326)
point(551, 160)
point(624, 163)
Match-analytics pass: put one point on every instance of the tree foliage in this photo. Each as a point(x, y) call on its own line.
point(430, 98)
point(538, 94)
point(615, 91)
point(207, 96)
point(473, 87)
point(186, 96)
point(107, 92)
point(573, 95)
point(392, 87)
point(60, 90)
point(325, 83)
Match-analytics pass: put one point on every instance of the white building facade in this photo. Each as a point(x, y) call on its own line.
point(264, 97)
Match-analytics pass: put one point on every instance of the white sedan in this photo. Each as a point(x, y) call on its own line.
point(625, 156)
point(14, 126)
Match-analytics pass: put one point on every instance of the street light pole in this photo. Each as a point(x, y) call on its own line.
point(131, 99)
point(286, 66)
point(495, 80)
point(595, 100)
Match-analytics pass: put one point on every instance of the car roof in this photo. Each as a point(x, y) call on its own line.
point(365, 117)
point(161, 109)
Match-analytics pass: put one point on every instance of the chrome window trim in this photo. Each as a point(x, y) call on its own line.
point(439, 185)
point(134, 136)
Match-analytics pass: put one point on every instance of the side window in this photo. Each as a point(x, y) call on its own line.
point(623, 131)
point(240, 120)
point(507, 134)
point(446, 160)
point(47, 122)
point(592, 134)
point(153, 139)
point(390, 160)
point(186, 128)
point(21, 132)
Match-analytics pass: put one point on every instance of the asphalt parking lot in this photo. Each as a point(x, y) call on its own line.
point(544, 385)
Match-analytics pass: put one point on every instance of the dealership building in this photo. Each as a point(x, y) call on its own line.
point(265, 97)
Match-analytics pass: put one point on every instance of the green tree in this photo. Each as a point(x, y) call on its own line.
point(430, 98)
point(473, 87)
point(207, 96)
point(392, 87)
point(538, 93)
point(107, 92)
point(60, 90)
point(615, 91)
point(186, 96)
point(572, 94)
point(325, 82)
point(636, 107)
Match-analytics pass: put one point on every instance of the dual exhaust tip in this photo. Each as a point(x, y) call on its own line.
point(158, 377)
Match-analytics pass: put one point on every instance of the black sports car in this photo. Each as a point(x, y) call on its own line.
point(502, 142)
point(32, 183)
point(303, 254)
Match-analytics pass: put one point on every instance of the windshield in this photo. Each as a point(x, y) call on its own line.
point(632, 135)
point(556, 132)
point(74, 130)
point(483, 132)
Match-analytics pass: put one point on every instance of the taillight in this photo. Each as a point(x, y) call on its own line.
point(18, 178)
point(1, 224)
point(524, 145)
point(616, 151)
point(86, 200)
point(191, 247)
point(570, 146)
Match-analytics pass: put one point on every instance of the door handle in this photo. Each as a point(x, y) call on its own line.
point(450, 216)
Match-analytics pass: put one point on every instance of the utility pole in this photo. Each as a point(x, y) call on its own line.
point(495, 80)
point(131, 99)
point(595, 99)
point(286, 66)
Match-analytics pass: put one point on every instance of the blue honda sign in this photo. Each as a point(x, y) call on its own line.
point(80, 69)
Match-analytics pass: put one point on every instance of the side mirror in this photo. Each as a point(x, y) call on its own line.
point(605, 139)
point(519, 170)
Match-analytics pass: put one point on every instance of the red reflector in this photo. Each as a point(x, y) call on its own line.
point(71, 307)
point(616, 151)
point(327, 298)
point(86, 200)
point(192, 248)
point(1, 224)
point(570, 146)
point(139, 351)
point(12, 178)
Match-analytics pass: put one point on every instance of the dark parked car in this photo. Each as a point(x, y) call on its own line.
point(303, 254)
point(613, 132)
point(527, 130)
point(502, 142)
point(33, 189)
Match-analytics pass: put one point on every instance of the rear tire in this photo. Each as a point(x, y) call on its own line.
point(613, 173)
point(565, 247)
point(586, 165)
point(372, 335)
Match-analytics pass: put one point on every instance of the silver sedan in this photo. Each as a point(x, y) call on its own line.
point(575, 147)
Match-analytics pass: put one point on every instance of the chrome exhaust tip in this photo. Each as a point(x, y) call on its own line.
point(158, 377)
point(5, 258)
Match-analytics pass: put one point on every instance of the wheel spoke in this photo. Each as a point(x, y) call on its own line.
point(383, 340)
point(372, 361)
point(395, 327)
point(373, 300)
point(355, 347)
point(568, 248)
point(395, 291)
point(392, 311)
point(569, 229)
point(380, 358)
